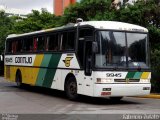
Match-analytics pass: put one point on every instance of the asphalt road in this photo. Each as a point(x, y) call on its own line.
point(36, 100)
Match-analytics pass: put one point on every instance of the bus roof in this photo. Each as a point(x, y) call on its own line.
point(111, 25)
point(114, 25)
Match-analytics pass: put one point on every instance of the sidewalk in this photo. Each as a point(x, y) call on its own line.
point(152, 95)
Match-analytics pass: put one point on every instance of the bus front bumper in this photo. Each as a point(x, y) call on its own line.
point(115, 90)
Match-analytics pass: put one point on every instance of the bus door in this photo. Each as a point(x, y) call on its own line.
point(88, 80)
point(85, 83)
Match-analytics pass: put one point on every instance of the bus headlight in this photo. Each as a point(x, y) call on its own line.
point(104, 80)
point(145, 80)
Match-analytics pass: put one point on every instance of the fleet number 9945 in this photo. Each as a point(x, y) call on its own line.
point(113, 75)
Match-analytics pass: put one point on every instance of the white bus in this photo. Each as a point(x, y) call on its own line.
point(94, 58)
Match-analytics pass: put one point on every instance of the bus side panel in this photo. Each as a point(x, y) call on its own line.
point(60, 77)
point(10, 73)
point(57, 80)
point(29, 75)
point(68, 64)
point(84, 83)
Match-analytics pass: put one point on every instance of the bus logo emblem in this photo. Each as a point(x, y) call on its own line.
point(67, 61)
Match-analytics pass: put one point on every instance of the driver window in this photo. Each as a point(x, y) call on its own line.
point(83, 32)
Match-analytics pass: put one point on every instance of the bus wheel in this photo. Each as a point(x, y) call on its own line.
point(71, 88)
point(115, 99)
point(19, 79)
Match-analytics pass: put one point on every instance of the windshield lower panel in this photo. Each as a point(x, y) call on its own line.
point(121, 50)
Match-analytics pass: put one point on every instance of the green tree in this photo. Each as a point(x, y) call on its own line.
point(36, 21)
point(88, 10)
point(5, 26)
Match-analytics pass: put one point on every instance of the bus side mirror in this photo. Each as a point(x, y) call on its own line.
point(94, 47)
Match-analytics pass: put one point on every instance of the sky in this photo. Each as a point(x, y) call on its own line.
point(28, 5)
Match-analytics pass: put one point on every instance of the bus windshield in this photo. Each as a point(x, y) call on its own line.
point(121, 49)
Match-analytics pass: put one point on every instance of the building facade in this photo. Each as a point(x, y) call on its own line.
point(60, 5)
point(13, 12)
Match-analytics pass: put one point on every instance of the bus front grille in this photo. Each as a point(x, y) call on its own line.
point(126, 80)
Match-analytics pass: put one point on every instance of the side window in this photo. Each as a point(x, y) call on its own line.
point(41, 43)
point(14, 46)
point(28, 44)
point(9, 46)
point(68, 40)
point(52, 41)
point(71, 40)
point(64, 37)
point(19, 45)
point(35, 44)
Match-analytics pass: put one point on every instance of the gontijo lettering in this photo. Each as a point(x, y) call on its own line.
point(26, 60)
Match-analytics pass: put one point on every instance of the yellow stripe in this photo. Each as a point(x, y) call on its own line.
point(145, 75)
point(38, 60)
point(34, 72)
point(31, 73)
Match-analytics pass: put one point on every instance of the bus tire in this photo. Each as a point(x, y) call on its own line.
point(19, 79)
point(71, 88)
point(115, 99)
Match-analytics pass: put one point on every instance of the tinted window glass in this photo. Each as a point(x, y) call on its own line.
point(137, 49)
point(19, 45)
point(64, 40)
point(85, 32)
point(111, 49)
point(81, 52)
point(41, 43)
point(14, 46)
point(28, 44)
point(81, 43)
point(9, 46)
point(68, 40)
point(52, 42)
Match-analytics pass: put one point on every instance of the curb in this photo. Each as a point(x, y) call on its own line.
point(155, 96)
